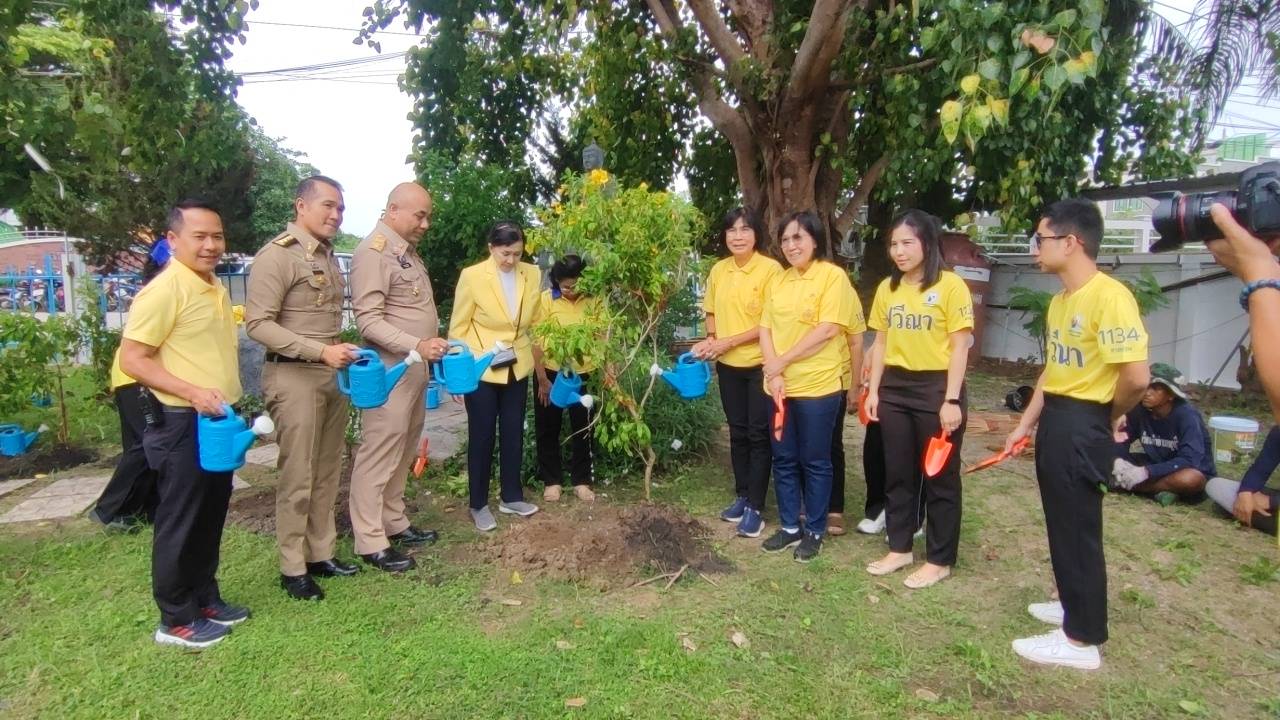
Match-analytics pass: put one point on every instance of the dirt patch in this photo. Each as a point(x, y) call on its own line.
point(255, 510)
point(607, 544)
point(44, 459)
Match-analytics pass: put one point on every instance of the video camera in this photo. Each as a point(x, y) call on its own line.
point(1255, 204)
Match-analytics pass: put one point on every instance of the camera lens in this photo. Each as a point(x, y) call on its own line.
point(1181, 219)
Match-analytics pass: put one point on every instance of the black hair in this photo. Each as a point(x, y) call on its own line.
point(928, 230)
point(307, 187)
point(1079, 217)
point(808, 221)
point(150, 269)
point(567, 267)
point(174, 221)
point(753, 221)
point(505, 232)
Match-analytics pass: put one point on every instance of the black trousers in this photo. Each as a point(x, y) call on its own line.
point(1074, 450)
point(909, 404)
point(749, 413)
point(837, 465)
point(189, 520)
point(548, 421)
point(494, 407)
point(131, 492)
point(873, 470)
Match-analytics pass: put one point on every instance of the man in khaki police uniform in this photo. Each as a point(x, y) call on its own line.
point(396, 313)
point(294, 308)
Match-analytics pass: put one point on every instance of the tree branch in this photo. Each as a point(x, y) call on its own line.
point(865, 78)
point(754, 18)
point(818, 49)
point(861, 194)
point(718, 34)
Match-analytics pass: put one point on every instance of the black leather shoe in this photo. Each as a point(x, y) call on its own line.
point(301, 587)
point(413, 536)
point(332, 568)
point(390, 560)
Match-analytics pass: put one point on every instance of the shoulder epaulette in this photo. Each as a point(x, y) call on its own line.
point(378, 242)
point(284, 239)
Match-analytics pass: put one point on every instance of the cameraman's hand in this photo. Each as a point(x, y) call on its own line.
point(1247, 257)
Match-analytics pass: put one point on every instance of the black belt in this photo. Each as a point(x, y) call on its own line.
point(176, 409)
point(278, 358)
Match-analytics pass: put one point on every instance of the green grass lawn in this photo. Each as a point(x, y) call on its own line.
point(1193, 604)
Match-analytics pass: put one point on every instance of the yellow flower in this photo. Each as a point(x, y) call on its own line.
point(598, 177)
point(237, 312)
point(555, 208)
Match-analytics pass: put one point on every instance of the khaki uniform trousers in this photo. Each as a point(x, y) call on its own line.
point(311, 421)
point(387, 449)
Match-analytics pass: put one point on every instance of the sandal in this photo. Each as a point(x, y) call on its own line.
point(551, 493)
point(915, 581)
point(584, 493)
point(835, 523)
point(887, 565)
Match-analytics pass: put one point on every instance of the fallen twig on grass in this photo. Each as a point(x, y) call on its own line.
point(713, 582)
point(676, 576)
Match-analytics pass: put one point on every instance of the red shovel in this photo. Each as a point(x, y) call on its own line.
point(1000, 456)
point(863, 417)
point(779, 418)
point(937, 453)
point(421, 463)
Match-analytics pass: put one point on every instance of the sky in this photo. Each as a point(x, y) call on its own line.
point(354, 127)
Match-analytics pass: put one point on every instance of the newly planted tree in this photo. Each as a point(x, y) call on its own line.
point(639, 246)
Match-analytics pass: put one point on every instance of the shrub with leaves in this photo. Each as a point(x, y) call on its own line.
point(639, 246)
point(35, 357)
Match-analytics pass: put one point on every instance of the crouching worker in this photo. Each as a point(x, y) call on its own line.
point(1250, 500)
point(1175, 461)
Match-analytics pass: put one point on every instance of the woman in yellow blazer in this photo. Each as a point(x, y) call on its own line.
point(496, 302)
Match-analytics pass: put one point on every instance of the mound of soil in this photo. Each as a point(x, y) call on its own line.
point(44, 459)
point(607, 543)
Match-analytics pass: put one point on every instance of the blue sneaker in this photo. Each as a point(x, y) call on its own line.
point(733, 513)
point(751, 524)
point(197, 635)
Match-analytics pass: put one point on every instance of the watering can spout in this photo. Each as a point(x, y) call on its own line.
point(396, 371)
point(484, 361)
point(671, 377)
point(262, 425)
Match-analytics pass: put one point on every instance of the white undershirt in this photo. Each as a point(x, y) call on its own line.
point(509, 289)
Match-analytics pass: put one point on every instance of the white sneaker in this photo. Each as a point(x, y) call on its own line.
point(1047, 612)
point(1055, 649)
point(484, 519)
point(867, 526)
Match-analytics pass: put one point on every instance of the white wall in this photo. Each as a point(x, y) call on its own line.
point(1196, 332)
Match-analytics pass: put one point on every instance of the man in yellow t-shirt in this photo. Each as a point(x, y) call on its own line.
point(180, 341)
point(1095, 372)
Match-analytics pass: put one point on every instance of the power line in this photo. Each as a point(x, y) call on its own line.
point(329, 27)
point(324, 66)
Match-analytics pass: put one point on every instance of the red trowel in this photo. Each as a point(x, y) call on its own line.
point(779, 417)
point(1000, 456)
point(937, 453)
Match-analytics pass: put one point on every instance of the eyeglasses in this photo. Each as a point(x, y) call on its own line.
point(1037, 239)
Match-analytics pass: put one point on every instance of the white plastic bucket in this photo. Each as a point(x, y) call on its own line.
point(1232, 436)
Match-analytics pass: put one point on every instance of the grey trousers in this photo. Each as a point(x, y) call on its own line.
point(1223, 492)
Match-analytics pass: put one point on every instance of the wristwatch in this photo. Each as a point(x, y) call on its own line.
point(953, 401)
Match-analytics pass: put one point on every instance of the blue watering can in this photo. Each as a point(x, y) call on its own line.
point(224, 440)
point(432, 397)
point(14, 442)
point(367, 381)
point(460, 371)
point(564, 391)
point(690, 377)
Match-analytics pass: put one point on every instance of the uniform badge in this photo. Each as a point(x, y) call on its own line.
point(1077, 326)
point(931, 299)
point(809, 314)
point(378, 242)
point(284, 240)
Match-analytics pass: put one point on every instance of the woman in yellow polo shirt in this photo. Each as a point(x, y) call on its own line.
point(564, 304)
point(130, 496)
point(923, 318)
point(495, 302)
point(733, 303)
point(802, 331)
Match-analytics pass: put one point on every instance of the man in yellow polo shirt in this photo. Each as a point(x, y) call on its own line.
point(1095, 372)
point(180, 341)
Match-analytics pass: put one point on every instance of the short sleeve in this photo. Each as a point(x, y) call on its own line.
point(709, 300)
point(153, 315)
point(1121, 336)
point(771, 292)
point(959, 306)
point(833, 306)
point(879, 317)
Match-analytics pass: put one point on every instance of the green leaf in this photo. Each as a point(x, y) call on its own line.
point(1020, 59)
point(1054, 77)
point(989, 69)
point(1064, 19)
point(1019, 80)
point(991, 12)
point(928, 37)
